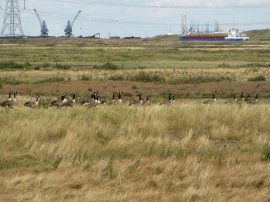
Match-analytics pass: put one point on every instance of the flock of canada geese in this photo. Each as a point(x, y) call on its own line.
point(94, 100)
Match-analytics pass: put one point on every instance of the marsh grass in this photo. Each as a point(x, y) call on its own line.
point(184, 151)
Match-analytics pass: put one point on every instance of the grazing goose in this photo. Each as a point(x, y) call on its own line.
point(57, 103)
point(253, 101)
point(70, 103)
point(32, 104)
point(211, 101)
point(10, 102)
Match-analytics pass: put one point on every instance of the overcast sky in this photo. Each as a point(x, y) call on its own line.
point(161, 15)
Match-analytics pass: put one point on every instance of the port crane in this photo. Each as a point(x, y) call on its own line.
point(68, 29)
point(44, 32)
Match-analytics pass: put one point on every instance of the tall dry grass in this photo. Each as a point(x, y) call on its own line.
point(182, 152)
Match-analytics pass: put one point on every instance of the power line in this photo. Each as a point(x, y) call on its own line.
point(116, 21)
point(125, 5)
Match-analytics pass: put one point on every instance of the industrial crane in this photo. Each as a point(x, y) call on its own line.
point(44, 32)
point(68, 29)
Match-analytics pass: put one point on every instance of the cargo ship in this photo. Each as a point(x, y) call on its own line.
point(232, 36)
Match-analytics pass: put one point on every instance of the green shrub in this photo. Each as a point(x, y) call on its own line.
point(224, 65)
point(63, 67)
point(51, 80)
point(201, 79)
point(12, 81)
point(257, 78)
point(118, 77)
point(266, 154)
point(107, 66)
point(85, 78)
point(147, 77)
point(12, 65)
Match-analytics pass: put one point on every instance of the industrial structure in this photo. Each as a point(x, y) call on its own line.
point(68, 29)
point(12, 25)
point(44, 32)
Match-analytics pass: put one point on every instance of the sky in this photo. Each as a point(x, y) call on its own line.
point(142, 18)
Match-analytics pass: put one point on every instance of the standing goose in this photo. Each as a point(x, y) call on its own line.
point(9, 97)
point(167, 101)
point(3, 103)
point(120, 101)
point(173, 98)
point(232, 101)
point(10, 102)
point(113, 99)
point(70, 103)
point(57, 103)
point(32, 104)
point(147, 100)
point(211, 101)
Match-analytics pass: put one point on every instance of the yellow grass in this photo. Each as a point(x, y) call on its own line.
point(182, 152)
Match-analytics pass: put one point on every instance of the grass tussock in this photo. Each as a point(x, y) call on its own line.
point(257, 78)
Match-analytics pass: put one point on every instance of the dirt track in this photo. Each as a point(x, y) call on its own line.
point(107, 87)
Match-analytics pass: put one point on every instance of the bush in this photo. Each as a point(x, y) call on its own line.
point(63, 67)
point(266, 154)
point(224, 65)
point(12, 65)
point(107, 66)
point(201, 79)
point(116, 77)
point(85, 78)
point(147, 77)
point(257, 78)
point(12, 81)
point(51, 80)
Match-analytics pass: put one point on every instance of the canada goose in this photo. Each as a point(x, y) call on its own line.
point(137, 102)
point(9, 97)
point(32, 104)
point(167, 101)
point(253, 101)
point(70, 103)
point(173, 98)
point(97, 98)
point(10, 102)
point(89, 101)
point(120, 101)
point(57, 103)
point(210, 101)
point(242, 96)
point(147, 100)
point(113, 99)
point(232, 101)
point(3, 103)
